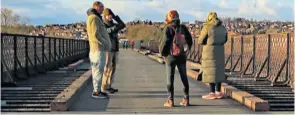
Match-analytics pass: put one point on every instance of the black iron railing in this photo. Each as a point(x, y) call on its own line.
point(23, 55)
point(267, 56)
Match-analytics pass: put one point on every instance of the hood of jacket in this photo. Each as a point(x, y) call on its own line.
point(91, 11)
point(212, 19)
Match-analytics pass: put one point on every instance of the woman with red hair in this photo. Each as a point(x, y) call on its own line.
point(177, 40)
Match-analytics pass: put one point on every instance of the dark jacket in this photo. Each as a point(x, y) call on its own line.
point(167, 40)
point(113, 30)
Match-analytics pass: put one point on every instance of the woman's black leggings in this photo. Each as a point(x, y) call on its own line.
point(171, 63)
point(215, 87)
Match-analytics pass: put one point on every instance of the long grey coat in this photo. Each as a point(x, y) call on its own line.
point(213, 37)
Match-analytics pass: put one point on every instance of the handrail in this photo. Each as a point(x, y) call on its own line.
point(25, 55)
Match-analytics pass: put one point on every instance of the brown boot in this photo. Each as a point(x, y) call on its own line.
point(169, 103)
point(184, 102)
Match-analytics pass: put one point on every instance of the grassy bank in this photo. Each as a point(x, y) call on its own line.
point(20, 29)
point(143, 32)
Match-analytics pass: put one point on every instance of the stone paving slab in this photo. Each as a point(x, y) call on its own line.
point(142, 89)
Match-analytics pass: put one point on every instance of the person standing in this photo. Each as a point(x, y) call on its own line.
point(132, 44)
point(99, 42)
point(112, 56)
point(177, 40)
point(213, 37)
point(126, 44)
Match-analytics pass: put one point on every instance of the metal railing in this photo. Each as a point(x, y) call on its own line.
point(266, 56)
point(23, 55)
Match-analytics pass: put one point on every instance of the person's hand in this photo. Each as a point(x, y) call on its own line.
point(117, 18)
point(111, 13)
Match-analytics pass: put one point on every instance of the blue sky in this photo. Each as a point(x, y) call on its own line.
point(41, 12)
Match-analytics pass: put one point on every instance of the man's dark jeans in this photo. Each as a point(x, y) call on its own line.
point(171, 63)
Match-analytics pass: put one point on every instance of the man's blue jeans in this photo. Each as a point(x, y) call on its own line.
point(98, 60)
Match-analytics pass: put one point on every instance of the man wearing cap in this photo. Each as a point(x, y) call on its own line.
point(173, 28)
point(112, 56)
point(99, 43)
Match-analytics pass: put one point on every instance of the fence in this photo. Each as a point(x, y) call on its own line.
point(22, 55)
point(267, 56)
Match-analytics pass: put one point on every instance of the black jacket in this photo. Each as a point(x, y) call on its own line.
point(113, 30)
point(169, 33)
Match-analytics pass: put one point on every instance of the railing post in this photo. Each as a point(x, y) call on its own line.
point(2, 58)
point(43, 54)
point(242, 52)
point(72, 46)
point(288, 58)
point(15, 56)
point(75, 47)
point(67, 48)
point(269, 55)
point(60, 48)
point(49, 51)
point(35, 52)
point(26, 56)
point(231, 53)
point(63, 49)
point(55, 55)
point(254, 55)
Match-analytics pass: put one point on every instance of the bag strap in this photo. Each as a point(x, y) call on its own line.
point(174, 29)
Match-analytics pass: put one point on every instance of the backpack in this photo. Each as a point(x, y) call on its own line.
point(178, 44)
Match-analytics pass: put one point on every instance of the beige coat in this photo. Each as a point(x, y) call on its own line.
point(213, 37)
point(98, 36)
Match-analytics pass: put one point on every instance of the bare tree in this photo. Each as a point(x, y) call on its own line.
point(5, 15)
point(25, 20)
point(16, 18)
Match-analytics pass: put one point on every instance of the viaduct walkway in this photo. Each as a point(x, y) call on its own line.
point(41, 74)
point(142, 89)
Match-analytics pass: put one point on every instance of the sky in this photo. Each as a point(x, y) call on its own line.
point(43, 12)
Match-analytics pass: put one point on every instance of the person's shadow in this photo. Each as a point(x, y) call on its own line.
point(85, 102)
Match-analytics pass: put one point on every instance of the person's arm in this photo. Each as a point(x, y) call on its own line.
point(95, 31)
point(188, 37)
point(203, 36)
point(121, 25)
point(166, 42)
point(115, 29)
point(226, 36)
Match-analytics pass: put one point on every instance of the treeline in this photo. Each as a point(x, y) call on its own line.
point(11, 22)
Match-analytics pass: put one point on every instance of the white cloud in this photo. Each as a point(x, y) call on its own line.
point(50, 6)
point(29, 12)
point(256, 7)
point(154, 9)
point(262, 5)
point(156, 3)
point(196, 14)
point(244, 8)
point(223, 4)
